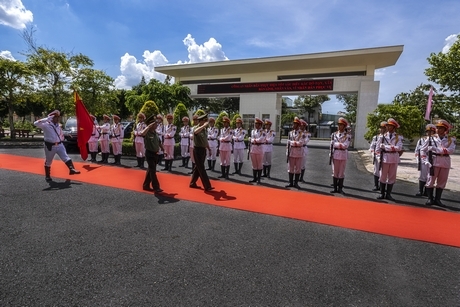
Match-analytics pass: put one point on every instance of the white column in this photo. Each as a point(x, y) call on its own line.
point(368, 96)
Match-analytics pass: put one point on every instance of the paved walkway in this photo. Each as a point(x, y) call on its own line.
point(407, 168)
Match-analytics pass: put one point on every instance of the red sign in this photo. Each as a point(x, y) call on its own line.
point(261, 87)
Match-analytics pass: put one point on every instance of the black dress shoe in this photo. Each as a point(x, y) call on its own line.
point(388, 196)
point(194, 186)
point(158, 190)
point(209, 189)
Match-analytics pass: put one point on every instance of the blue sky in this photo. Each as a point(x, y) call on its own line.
point(128, 38)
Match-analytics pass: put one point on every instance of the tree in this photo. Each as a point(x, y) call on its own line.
point(445, 68)
point(309, 103)
point(442, 106)
point(179, 113)
point(95, 89)
point(54, 72)
point(123, 109)
point(230, 105)
point(15, 80)
point(408, 117)
point(165, 95)
point(150, 108)
point(219, 119)
point(350, 102)
point(233, 121)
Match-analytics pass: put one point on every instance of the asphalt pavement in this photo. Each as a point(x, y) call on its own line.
point(75, 244)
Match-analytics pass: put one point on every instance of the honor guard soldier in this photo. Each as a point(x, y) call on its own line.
point(160, 132)
point(116, 139)
point(268, 148)
point(104, 139)
point(200, 145)
point(192, 136)
point(238, 145)
point(152, 146)
point(169, 142)
point(295, 142)
point(423, 169)
point(185, 142)
point(256, 151)
point(303, 129)
point(389, 147)
point(340, 140)
point(212, 141)
point(436, 153)
point(53, 137)
point(93, 140)
point(225, 147)
point(139, 140)
point(375, 158)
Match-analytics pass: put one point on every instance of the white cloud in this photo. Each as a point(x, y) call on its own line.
point(7, 55)
point(132, 70)
point(379, 72)
point(210, 51)
point(14, 14)
point(450, 40)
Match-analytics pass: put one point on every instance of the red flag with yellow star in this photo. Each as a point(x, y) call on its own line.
point(84, 126)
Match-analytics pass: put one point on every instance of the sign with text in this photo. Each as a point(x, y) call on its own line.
point(274, 86)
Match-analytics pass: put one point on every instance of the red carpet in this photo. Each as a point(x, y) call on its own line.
point(399, 221)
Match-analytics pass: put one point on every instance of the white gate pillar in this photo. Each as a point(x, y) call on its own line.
point(368, 95)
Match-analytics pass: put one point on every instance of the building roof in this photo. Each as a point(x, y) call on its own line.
point(377, 58)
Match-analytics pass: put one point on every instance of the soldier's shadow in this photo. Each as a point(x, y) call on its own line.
point(220, 195)
point(53, 185)
point(90, 168)
point(166, 198)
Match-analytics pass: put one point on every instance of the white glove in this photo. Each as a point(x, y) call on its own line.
point(430, 148)
point(382, 146)
point(428, 164)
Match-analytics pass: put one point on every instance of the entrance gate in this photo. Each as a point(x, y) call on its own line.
point(260, 83)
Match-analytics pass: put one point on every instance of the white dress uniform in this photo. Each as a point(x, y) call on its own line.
point(305, 153)
point(116, 139)
point(93, 142)
point(53, 137)
point(238, 148)
point(257, 152)
point(104, 137)
point(185, 141)
point(340, 141)
point(390, 144)
point(441, 148)
point(225, 147)
point(421, 166)
point(185, 144)
point(212, 142)
point(168, 145)
point(436, 155)
point(160, 131)
point(225, 150)
point(139, 140)
point(296, 140)
point(267, 147)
